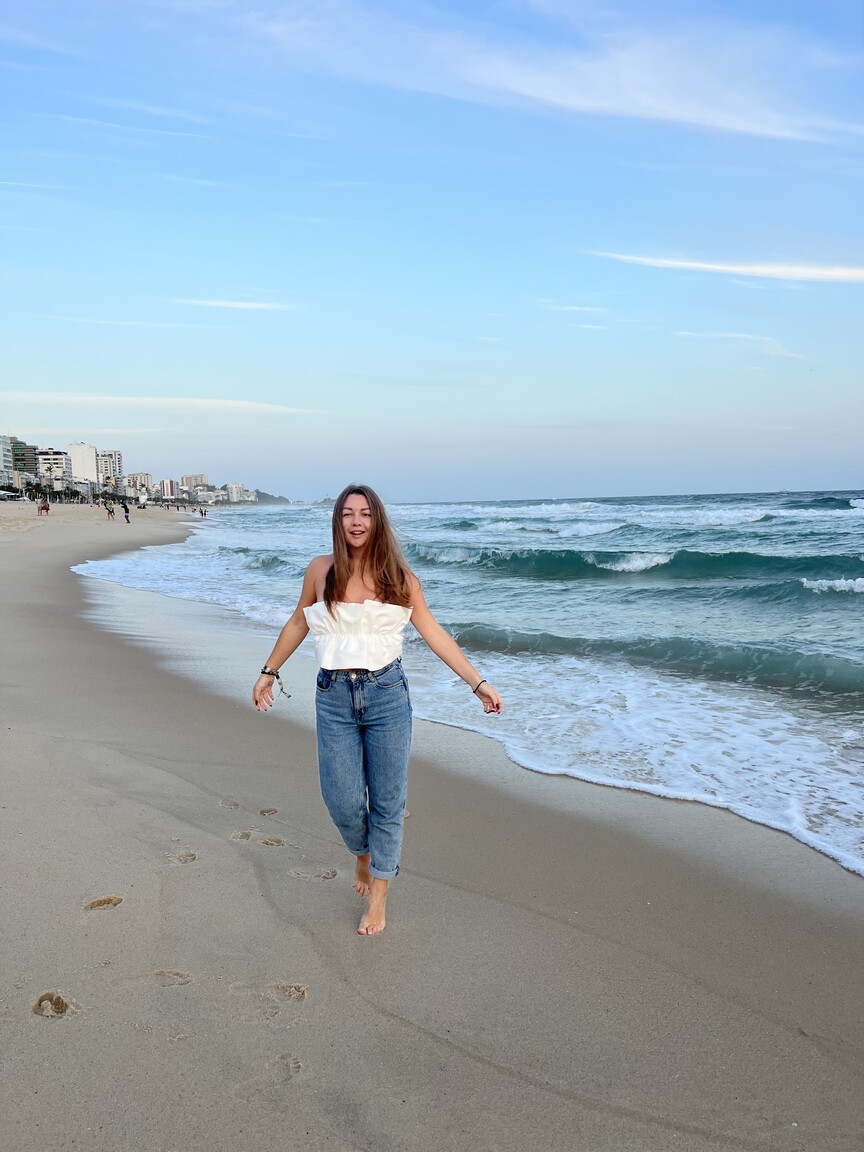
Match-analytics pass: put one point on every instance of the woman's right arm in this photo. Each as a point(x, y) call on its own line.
point(292, 635)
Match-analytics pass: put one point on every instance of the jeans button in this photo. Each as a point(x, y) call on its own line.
point(353, 675)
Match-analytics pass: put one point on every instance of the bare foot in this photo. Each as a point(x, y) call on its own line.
point(362, 879)
point(373, 920)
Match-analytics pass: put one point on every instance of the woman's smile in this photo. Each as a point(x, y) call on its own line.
point(356, 520)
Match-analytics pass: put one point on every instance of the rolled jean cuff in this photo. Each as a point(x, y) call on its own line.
point(379, 875)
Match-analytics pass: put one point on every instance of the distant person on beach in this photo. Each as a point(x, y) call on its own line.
point(356, 602)
point(125, 508)
point(109, 508)
point(44, 508)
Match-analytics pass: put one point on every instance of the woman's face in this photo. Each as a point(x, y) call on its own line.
point(356, 521)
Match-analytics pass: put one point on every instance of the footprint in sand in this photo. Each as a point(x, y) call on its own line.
point(186, 857)
point(228, 803)
point(51, 1006)
point(267, 811)
point(269, 1000)
point(313, 873)
point(289, 991)
point(171, 978)
point(245, 835)
point(272, 842)
point(271, 1084)
point(103, 902)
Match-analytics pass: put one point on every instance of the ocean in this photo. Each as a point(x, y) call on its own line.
point(706, 648)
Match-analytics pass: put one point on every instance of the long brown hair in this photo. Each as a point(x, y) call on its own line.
point(382, 557)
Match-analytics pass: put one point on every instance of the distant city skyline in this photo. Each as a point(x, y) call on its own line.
point(89, 469)
point(520, 250)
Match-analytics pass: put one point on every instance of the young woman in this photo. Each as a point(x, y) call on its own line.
point(357, 602)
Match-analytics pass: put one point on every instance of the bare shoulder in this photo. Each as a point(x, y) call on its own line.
point(319, 566)
point(415, 588)
point(316, 578)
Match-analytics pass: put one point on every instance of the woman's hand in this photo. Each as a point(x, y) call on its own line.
point(489, 698)
point(262, 693)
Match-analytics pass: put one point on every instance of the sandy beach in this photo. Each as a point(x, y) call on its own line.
point(566, 967)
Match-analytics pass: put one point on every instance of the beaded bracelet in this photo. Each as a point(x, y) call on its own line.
point(268, 671)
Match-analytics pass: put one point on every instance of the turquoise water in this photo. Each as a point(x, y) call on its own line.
point(709, 648)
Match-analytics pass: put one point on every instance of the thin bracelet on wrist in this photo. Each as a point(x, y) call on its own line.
point(474, 690)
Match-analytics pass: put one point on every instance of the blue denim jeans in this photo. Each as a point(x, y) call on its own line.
point(364, 739)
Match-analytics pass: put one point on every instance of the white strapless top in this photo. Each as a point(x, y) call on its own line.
point(367, 635)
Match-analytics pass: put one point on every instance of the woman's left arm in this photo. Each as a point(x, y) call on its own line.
point(446, 649)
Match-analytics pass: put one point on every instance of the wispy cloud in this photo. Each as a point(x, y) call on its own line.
point(767, 345)
point(825, 273)
point(241, 305)
point(90, 122)
point(303, 219)
point(720, 76)
point(157, 110)
point(551, 306)
point(25, 184)
point(195, 181)
point(197, 7)
point(10, 35)
point(89, 431)
point(642, 425)
point(170, 403)
point(288, 124)
point(297, 135)
point(129, 323)
point(345, 183)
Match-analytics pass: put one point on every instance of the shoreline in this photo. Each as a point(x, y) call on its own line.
point(614, 983)
point(783, 758)
point(171, 617)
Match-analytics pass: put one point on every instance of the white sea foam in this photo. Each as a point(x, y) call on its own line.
point(834, 585)
point(836, 515)
point(497, 526)
point(724, 745)
point(595, 528)
point(635, 562)
point(496, 513)
point(701, 518)
point(446, 554)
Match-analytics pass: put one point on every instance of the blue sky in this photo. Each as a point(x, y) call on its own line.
point(512, 249)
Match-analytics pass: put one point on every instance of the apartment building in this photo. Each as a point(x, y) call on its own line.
point(6, 462)
point(85, 465)
point(54, 466)
point(110, 464)
point(139, 481)
point(195, 480)
point(24, 456)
